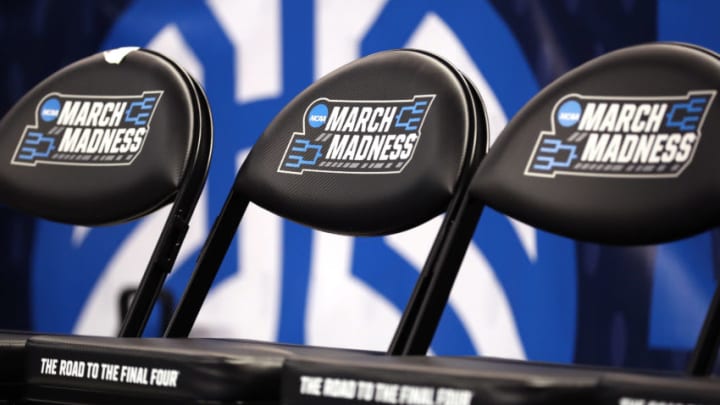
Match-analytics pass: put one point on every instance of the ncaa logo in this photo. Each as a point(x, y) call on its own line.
point(318, 116)
point(50, 110)
point(569, 113)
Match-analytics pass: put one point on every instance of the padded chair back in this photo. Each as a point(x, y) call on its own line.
point(108, 139)
point(621, 150)
point(376, 147)
point(614, 149)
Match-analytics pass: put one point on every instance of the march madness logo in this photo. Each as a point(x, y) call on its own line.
point(359, 137)
point(621, 136)
point(87, 130)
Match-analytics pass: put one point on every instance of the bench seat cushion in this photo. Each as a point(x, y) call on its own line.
point(74, 369)
point(415, 380)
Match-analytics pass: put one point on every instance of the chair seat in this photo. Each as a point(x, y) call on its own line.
point(420, 380)
point(159, 370)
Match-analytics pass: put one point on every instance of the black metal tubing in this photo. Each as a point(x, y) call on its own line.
point(705, 354)
point(418, 322)
point(401, 338)
point(430, 296)
point(176, 226)
point(152, 282)
point(207, 265)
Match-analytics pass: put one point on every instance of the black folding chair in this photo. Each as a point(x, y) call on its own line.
point(108, 139)
point(380, 145)
point(621, 150)
point(560, 167)
point(313, 178)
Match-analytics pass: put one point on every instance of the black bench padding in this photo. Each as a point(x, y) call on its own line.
point(12, 371)
point(231, 371)
point(420, 380)
point(206, 369)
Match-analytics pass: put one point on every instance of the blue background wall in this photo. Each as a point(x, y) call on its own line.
point(559, 300)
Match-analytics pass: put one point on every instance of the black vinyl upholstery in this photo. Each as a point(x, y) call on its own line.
point(425, 99)
point(83, 178)
point(622, 196)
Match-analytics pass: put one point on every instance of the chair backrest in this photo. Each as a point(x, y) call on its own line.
point(620, 150)
point(108, 139)
point(376, 147)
